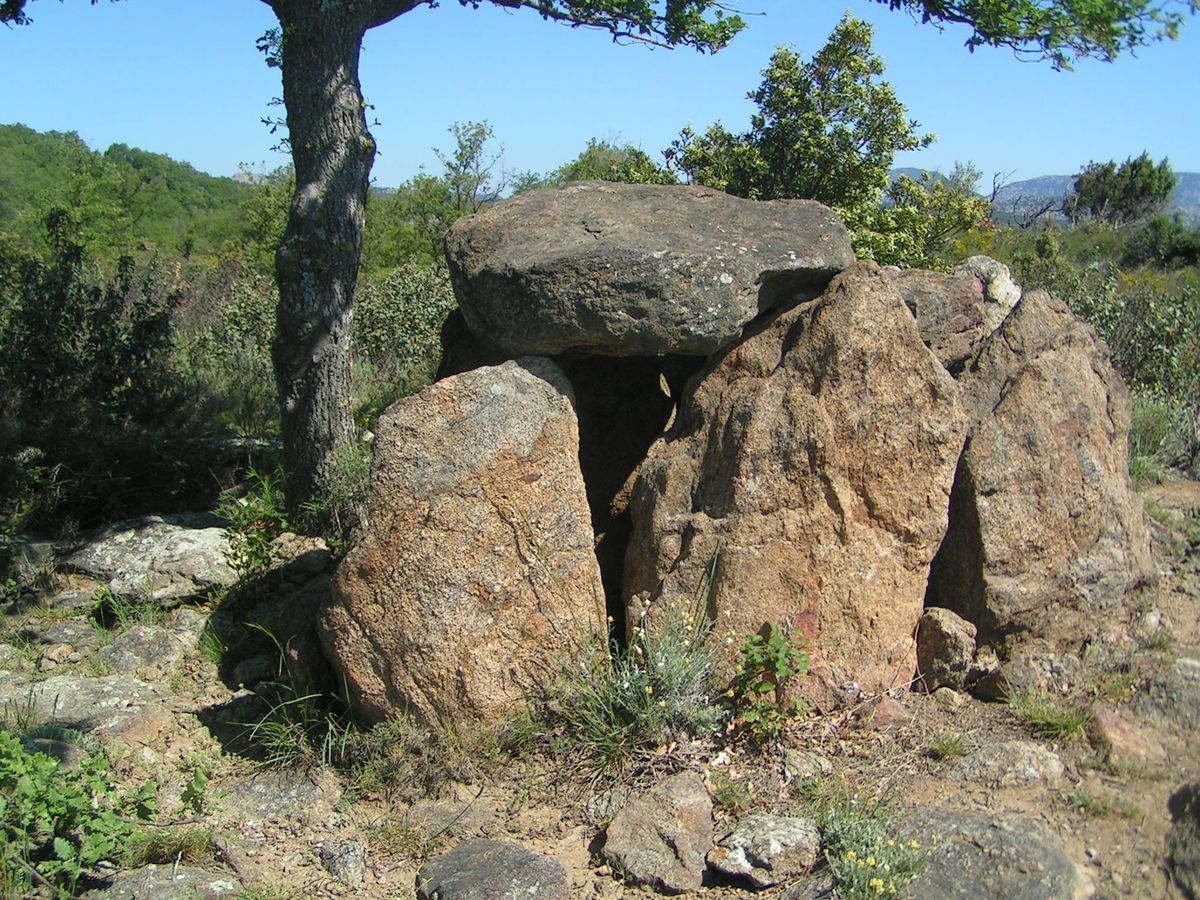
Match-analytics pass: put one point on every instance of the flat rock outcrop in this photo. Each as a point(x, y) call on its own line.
point(626, 270)
point(170, 559)
point(475, 580)
point(1046, 537)
point(810, 471)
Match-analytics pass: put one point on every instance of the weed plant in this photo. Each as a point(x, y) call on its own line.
point(113, 613)
point(256, 516)
point(949, 745)
point(60, 825)
point(169, 846)
point(761, 691)
point(1101, 808)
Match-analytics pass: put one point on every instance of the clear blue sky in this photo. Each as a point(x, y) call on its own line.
point(182, 77)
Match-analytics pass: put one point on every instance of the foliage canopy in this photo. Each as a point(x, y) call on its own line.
point(1118, 194)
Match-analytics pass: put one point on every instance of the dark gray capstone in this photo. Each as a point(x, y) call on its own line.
point(636, 270)
point(480, 869)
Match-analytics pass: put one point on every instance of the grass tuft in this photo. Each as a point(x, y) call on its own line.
point(1048, 716)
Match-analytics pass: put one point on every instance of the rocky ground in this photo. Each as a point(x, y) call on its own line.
point(995, 804)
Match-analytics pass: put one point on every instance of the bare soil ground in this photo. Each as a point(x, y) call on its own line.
point(270, 827)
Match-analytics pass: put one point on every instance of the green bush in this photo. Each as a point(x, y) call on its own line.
point(398, 321)
point(98, 420)
point(1164, 241)
point(59, 825)
point(761, 692)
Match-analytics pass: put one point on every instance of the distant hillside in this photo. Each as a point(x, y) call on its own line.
point(123, 197)
point(1022, 198)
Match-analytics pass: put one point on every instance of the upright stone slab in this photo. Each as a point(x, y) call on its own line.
point(810, 473)
point(1046, 537)
point(475, 581)
point(608, 269)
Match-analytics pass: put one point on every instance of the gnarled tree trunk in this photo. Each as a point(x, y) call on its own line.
point(317, 261)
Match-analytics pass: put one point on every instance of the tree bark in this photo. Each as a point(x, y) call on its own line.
point(317, 261)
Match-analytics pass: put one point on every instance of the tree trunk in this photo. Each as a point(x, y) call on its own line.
point(317, 260)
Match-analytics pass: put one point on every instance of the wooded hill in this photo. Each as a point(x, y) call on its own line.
point(120, 199)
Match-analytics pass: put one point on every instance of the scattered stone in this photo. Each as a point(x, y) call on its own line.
point(804, 765)
point(766, 849)
point(169, 883)
point(69, 755)
point(807, 473)
point(976, 855)
point(948, 310)
point(636, 270)
point(288, 794)
point(945, 650)
point(346, 861)
point(252, 670)
point(1116, 734)
point(1046, 539)
point(1183, 840)
point(662, 837)
point(815, 887)
point(1000, 292)
point(481, 869)
point(604, 806)
point(948, 698)
point(879, 714)
point(475, 581)
point(171, 559)
point(1011, 764)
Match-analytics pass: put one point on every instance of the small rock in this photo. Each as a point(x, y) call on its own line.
point(480, 869)
point(1183, 840)
point(948, 698)
point(804, 765)
point(767, 849)
point(262, 667)
point(1010, 764)
point(346, 861)
point(880, 714)
point(945, 649)
point(1115, 734)
point(662, 837)
point(69, 755)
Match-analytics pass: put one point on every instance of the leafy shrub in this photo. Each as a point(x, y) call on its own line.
point(770, 660)
point(1164, 241)
point(398, 321)
point(99, 418)
point(256, 517)
point(58, 825)
point(227, 350)
point(343, 505)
